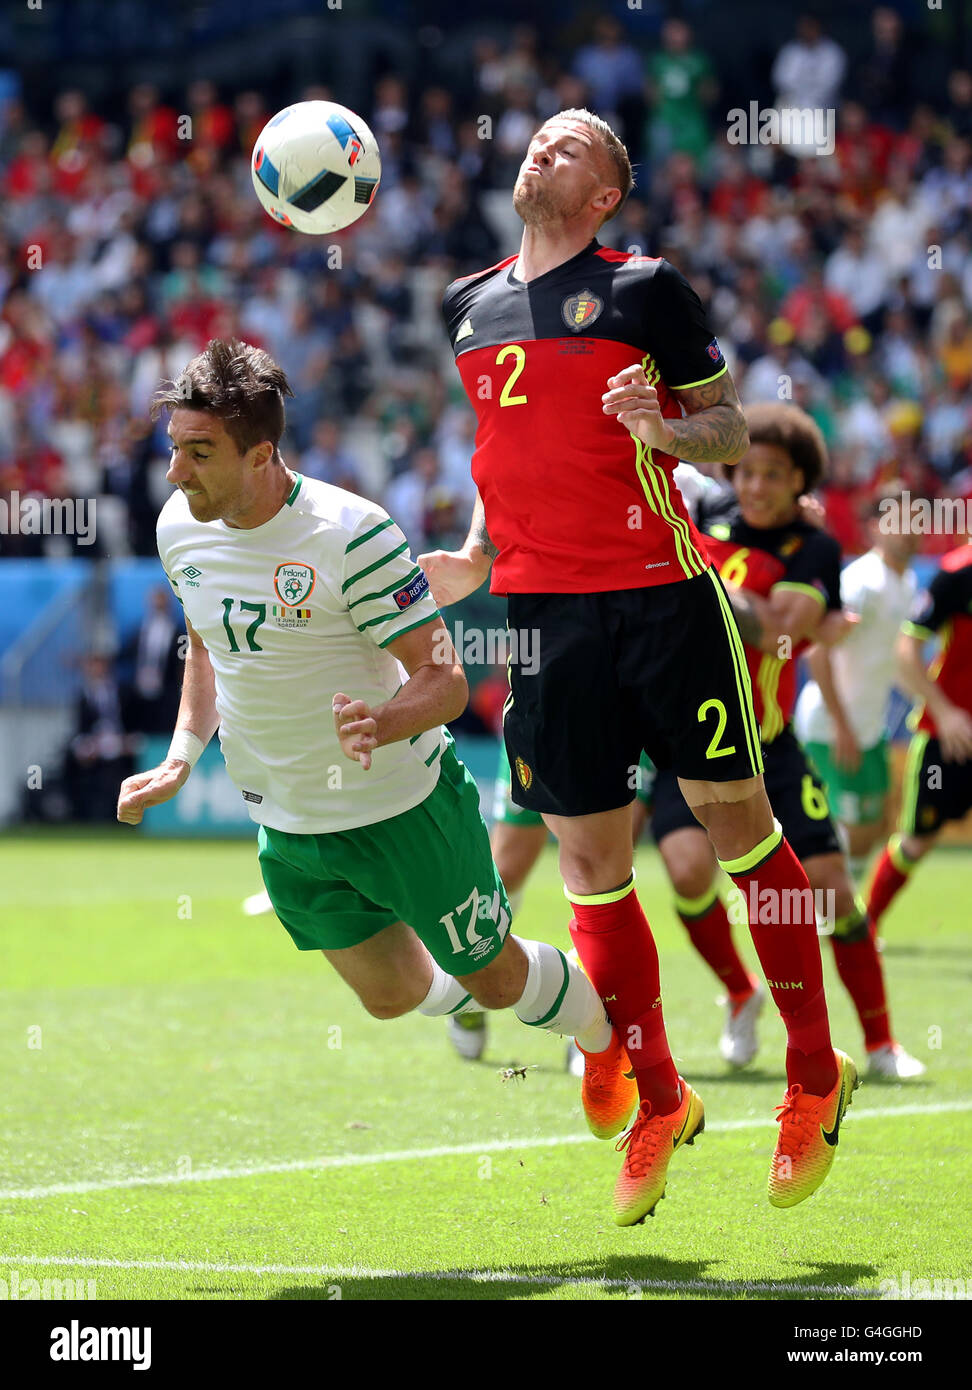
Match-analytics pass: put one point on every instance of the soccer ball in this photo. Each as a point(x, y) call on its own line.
point(316, 167)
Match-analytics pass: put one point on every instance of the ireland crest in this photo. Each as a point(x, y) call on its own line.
point(293, 582)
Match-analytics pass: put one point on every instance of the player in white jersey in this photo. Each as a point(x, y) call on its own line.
point(317, 650)
point(841, 712)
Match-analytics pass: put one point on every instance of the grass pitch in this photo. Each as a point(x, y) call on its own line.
point(193, 1110)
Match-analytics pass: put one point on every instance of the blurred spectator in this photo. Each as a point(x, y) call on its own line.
point(959, 110)
point(955, 354)
point(328, 460)
point(76, 145)
point(883, 79)
point(808, 72)
point(213, 127)
point(857, 273)
point(156, 652)
point(948, 189)
point(611, 70)
point(100, 755)
point(682, 86)
point(772, 376)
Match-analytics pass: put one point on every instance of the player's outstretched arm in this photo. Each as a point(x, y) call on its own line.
point(454, 574)
point(435, 692)
point(195, 725)
point(953, 724)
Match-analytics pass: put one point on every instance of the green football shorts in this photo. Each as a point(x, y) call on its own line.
point(430, 867)
point(505, 809)
point(856, 798)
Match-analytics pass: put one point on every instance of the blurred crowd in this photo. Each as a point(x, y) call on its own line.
point(129, 239)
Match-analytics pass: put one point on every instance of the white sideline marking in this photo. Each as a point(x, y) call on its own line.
point(302, 1165)
point(476, 1276)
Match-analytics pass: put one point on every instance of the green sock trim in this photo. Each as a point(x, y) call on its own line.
point(461, 1005)
point(542, 1022)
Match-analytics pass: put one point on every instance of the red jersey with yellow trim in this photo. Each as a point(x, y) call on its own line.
point(946, 608)
point(797, 556)
point(573, 502)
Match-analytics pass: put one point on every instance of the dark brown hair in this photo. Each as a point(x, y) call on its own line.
point(239, 384)
point(615, 148)
point(790, 429)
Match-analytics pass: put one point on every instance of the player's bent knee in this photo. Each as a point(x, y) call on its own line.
point(493, 994)
point(692, 881)
point(389, 1008)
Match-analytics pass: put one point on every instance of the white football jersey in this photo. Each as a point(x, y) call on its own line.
point(292, 612)
point(863, 664)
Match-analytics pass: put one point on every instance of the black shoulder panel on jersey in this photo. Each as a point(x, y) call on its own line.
point(599, 293)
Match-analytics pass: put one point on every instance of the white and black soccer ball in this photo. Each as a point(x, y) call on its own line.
point(316, 167)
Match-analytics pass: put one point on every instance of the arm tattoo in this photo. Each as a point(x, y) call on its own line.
point(714, 430)
point(747, 619)
point(484, 542)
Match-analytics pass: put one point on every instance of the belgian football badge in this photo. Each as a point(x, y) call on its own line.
point(580, 310)
point(525, 773)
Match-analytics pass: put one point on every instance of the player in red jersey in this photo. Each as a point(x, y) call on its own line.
point(580, 362)
point(772, 555)
point(938, 774)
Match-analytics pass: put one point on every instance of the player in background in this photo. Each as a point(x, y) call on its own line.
point(592, 372)
point(938, 774)
point(372, 846)
point(781, 566)
point(841, 712)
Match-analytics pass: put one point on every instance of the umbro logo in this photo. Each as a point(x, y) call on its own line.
point(191, 572)
point(466, 330)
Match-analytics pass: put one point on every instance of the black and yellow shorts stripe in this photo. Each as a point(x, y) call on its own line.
point(934, 790)
point(659, 669)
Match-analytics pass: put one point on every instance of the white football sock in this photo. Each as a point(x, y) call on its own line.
point(559, 997)
point(447, 996)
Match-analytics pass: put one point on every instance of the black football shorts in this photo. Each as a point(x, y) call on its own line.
point(933, 790)
point(597, 678)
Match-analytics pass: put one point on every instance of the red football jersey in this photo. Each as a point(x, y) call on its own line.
point(573, 502)
point(947, 608)
point(796, 556)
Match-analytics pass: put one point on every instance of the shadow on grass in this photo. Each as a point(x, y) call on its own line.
point(946, 952)
point(913, 1083)
point(637, 1276)
point(735, 1078)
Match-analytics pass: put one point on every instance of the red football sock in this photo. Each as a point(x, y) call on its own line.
point(859, 967)
point(614, 941)
point(707, 923)
point(783, 924)
point(890, 875)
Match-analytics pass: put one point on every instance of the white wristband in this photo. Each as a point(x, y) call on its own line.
point(186, 747)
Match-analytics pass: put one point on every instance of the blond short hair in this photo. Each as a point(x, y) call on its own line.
point(610, 142)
